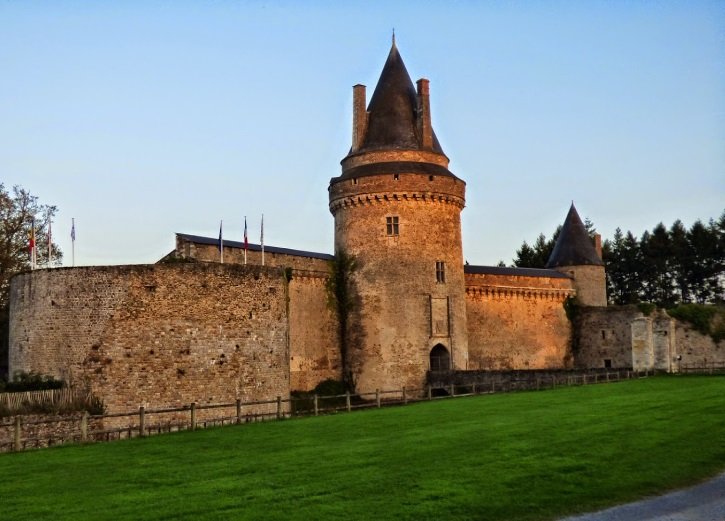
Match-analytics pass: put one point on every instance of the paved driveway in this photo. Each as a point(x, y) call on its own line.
point(705, 502)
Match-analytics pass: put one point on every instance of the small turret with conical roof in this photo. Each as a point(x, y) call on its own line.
point(574, 254)
point(397, 212)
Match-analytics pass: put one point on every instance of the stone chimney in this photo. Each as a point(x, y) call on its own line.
point(598, 244)
point(359, 116)
point(424, 126)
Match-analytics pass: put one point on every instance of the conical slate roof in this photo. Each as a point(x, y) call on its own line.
point(393, 110)
point(574, 246)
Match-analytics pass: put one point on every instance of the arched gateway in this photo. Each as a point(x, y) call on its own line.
point(440, 358)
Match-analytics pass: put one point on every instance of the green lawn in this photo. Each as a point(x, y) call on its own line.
point(531, 455)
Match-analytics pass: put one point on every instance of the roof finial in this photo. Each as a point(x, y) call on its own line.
point(393, 35)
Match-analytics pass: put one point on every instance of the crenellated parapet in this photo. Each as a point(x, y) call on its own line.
point(394, 197)
point(522, 293)
point(493, 282)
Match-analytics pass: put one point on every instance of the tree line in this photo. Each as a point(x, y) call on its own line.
point(664, 266)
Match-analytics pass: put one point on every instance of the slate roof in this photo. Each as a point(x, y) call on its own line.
point(392, 108)
point(198, 239)
point(397, 167)
point(574, 247)
point(516, 272)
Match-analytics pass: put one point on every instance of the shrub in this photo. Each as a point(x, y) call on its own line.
point(31, 381)
point(708, 320)
point(646, 308)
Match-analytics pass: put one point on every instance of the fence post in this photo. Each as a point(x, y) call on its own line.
point(537, 382)
point(316, 406)
point(405, 397)
point(141, 421)
point(279, 407)
point(84, 427)
point(493, 386)
point(453, 390)
point(193, 416)
point(596, 378)
point(347, 401)
point(430, 393)
point(377, 397)
point(239, 411)
point(474, 388)
point(17, 434)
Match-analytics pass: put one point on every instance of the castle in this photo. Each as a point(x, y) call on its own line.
point(190, 328)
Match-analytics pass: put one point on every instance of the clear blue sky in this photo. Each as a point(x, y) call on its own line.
point(141, 119)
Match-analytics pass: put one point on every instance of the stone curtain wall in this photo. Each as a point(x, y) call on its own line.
point(158, 335)
point(210, 253)
point(517, 322)
point(624, 335)
point(314, 343)
point(697, 349)
point(605, 334)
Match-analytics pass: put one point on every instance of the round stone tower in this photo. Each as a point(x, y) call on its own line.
point(397, 213)
point(574, 254)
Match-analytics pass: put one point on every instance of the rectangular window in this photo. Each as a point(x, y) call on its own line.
point(440, 271)
point(391, 226)
point(608, 363)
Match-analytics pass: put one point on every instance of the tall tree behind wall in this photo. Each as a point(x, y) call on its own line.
point(18, 209)
point(664, 266)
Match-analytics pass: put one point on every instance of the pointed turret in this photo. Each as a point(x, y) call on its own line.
point(574, 247)
point(574, 254)
point(394, 112)
point(394, 133)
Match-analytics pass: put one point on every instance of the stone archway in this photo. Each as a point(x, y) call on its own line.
point(440, 358)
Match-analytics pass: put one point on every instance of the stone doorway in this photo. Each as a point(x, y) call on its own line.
point(440, 358)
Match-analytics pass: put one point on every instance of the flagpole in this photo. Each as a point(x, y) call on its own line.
point(50, 241)
point(73, 241)
point(261, 239)
point(221, 243)
point(245, 240)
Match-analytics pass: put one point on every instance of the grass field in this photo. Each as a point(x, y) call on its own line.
point(523, 456)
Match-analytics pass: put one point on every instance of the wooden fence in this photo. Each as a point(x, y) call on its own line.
point(46, 400)
point(145, 422)
point(711, 368)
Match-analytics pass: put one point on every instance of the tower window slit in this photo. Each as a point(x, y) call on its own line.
point(440, 272)
point(392, 226)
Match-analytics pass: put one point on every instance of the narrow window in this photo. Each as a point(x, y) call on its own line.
point(440, 271)
point(391, 226)
point(354, 180)
point(396, 177)
point(604, 335)
point(607, 363)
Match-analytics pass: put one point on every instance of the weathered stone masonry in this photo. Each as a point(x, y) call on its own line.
point(159, 335)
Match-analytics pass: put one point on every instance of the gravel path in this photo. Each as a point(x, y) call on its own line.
point(705, 502)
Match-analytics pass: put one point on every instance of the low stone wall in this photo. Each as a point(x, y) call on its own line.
point(44, 430)
point(523, 380)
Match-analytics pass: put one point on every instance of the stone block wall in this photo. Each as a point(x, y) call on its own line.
point(314, 344)
point(517, 322)
point(628, 338)
point(696, 349)
point(155, 335)
point(589, 282)
point(234, 255)
point(607, 334)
